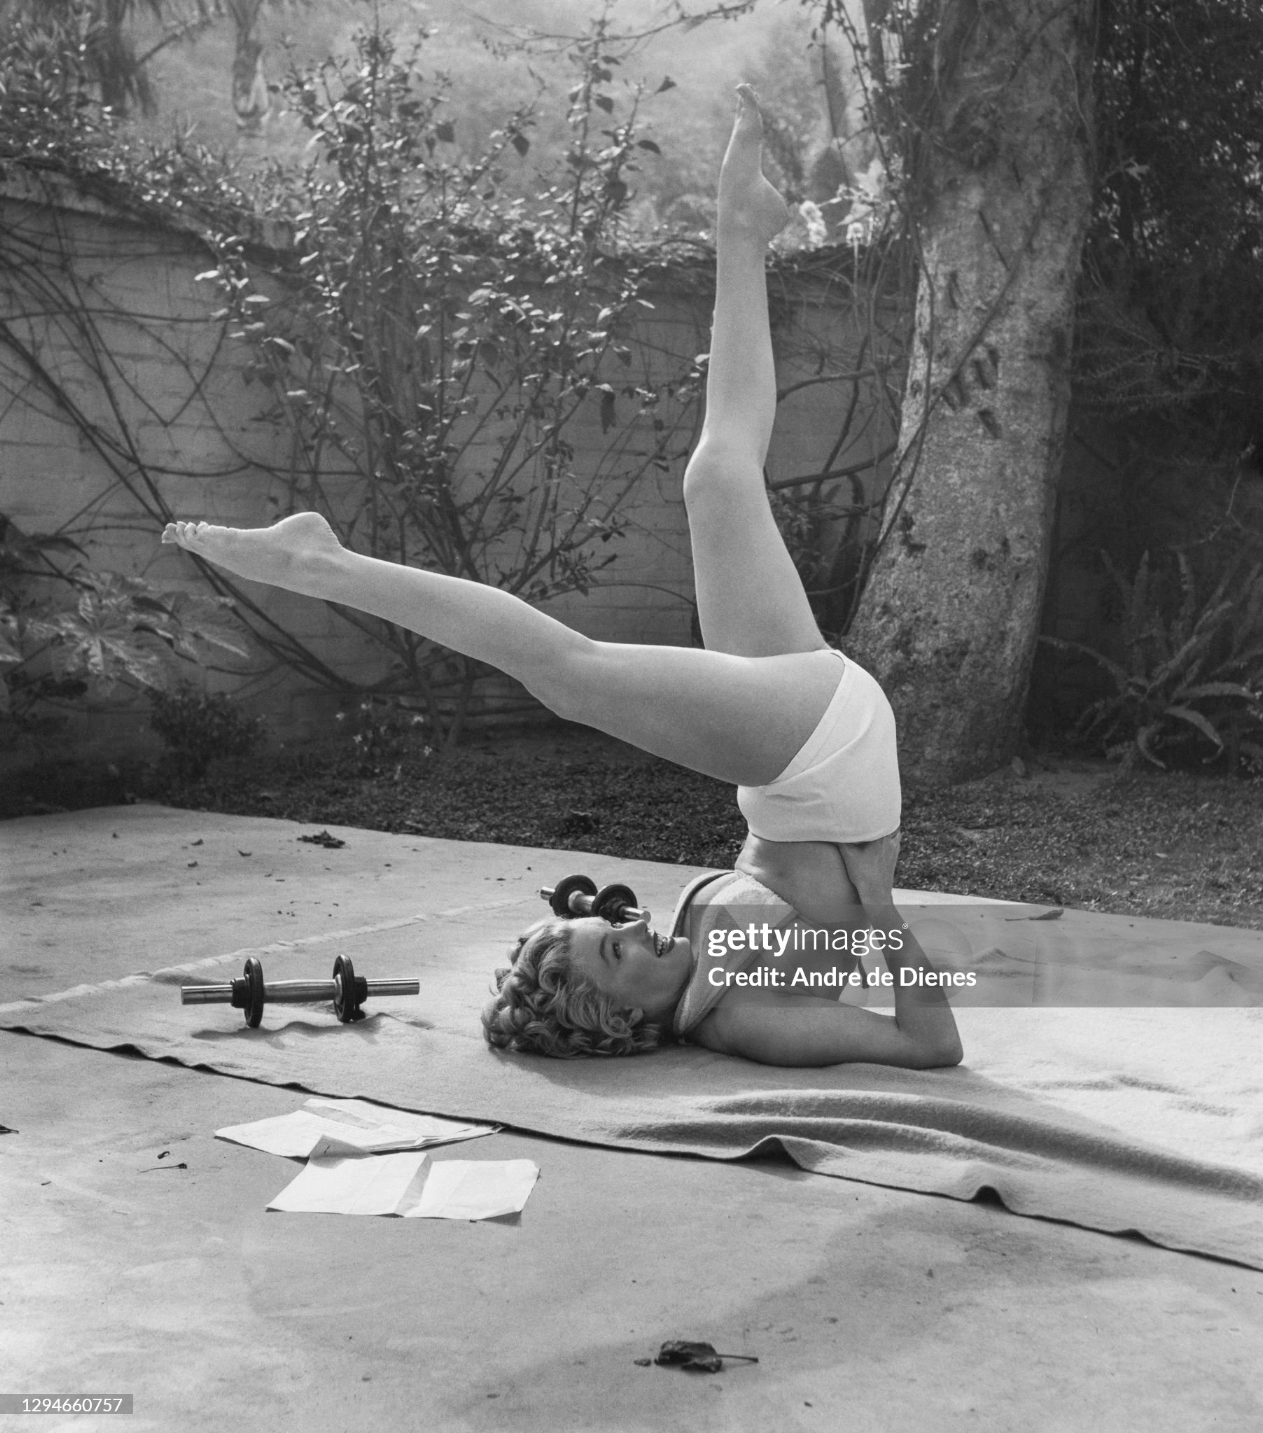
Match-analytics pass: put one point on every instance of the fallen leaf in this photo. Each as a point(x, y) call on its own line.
point(696, 1357)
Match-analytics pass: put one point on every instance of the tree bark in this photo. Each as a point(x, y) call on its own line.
point(1001, 188)
point(251, 100)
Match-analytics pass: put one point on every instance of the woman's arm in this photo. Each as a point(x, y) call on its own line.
point(777, 1028)
point(921, 1010)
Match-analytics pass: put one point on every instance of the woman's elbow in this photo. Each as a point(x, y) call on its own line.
point(934, 1054)
point(943, 1056)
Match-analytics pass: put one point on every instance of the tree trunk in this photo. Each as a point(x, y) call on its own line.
point(250, 97)
point(1002, 187)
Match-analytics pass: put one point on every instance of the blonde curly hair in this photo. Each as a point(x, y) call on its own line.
point(543, 1006)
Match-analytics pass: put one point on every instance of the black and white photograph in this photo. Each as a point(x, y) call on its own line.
point(632, 630)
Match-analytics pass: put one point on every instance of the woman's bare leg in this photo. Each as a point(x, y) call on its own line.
point(734, 717)
point(739, 710)
point(750, 599)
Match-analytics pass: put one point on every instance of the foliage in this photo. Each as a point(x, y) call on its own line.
point(433, 346)
point(1196, 671)
point(823, 537)
point(72, 633)
point(53, 116)
point(383, 732)
point(1172, 299)
point(199, 726)
point(1170, 296)
point(47, 98)
point(85, 46)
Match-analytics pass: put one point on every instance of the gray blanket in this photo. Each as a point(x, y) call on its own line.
point(1143, 1120)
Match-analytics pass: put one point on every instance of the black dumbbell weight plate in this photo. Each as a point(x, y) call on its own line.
point(612, 901)
point(572, 885)
point(254, 995)
point(348, 1005)
point(344, 1002)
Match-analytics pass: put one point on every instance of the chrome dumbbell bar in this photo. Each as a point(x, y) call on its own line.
point(250, 994)
point(578, 896)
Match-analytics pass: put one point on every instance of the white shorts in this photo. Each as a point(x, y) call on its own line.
point(843, 785)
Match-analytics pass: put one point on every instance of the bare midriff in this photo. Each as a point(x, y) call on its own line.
point(810, 876)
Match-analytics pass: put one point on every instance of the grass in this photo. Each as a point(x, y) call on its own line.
point(1173, 845)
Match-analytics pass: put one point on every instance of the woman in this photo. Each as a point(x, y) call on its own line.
point(805, 734)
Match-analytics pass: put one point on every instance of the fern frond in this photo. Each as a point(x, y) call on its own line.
point(1185, 618)
point(1197, 720)
point(1216, 689)
point(1120, 674)
point(1143, 738)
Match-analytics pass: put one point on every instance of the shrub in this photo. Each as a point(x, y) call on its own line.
point(384, 732)
point(1196, 673)
point(70, 634)
point(199, 726)
point(434, 343)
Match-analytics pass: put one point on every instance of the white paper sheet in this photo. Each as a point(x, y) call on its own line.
point(475, 1189)
point(409, 1185)
point(332, 1127)
point(374, 1184)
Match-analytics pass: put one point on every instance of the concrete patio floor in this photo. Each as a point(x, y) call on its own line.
point(868, 1308)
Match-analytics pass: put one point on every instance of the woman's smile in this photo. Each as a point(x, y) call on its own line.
point(635, 966)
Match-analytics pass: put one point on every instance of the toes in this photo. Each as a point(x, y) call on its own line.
point(183, 534)
point(748, 109)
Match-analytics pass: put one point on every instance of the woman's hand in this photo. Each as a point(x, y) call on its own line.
point(871, 867)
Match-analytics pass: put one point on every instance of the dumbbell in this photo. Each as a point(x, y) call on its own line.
point(347, 990)
point(578, 896)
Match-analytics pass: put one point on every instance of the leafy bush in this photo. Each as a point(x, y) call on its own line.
point(69, 634)
point(434, 319)
point(383, 732)
point(199, 726)
point(434, 343)
point(1196, 673)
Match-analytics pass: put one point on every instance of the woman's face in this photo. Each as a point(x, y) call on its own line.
point(633, 965)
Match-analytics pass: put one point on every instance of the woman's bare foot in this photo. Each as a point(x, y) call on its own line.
point(747, 202)
point(294, 554)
